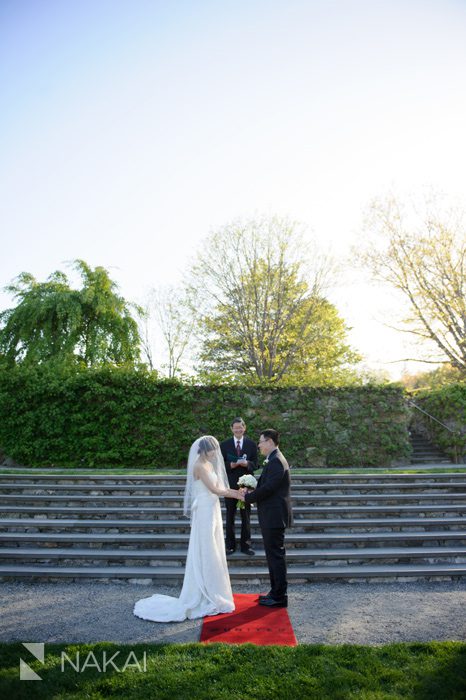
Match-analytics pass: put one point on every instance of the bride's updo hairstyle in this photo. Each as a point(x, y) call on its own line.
point(207, 444)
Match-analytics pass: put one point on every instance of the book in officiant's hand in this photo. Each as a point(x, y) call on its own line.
point(235, 458)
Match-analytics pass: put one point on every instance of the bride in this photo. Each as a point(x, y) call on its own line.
point(206, 586)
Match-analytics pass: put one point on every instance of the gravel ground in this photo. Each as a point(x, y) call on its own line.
point(324, 613)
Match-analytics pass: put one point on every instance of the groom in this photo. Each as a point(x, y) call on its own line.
point(272, 495)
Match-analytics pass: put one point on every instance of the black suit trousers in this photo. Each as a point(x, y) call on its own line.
point(230, 539)
point(274, 544)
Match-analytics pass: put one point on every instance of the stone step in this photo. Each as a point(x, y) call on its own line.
point(435, 454)
point(297, 474)
point(314, 523)
point(293, 539)
point(176, 512)
point(420, 440)
point(175, 483)
point(161, 541)
point(174, 499)
point(148, 489)
point(429, 458)
point(85, 527)
point(455, 554)
point(424, 449)
point(296, 572)
point(423, 446)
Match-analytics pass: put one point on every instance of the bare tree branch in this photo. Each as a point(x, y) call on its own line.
point(426, 263)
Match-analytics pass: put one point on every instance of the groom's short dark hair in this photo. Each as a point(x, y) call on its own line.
point(238, 420)
point(272, 434)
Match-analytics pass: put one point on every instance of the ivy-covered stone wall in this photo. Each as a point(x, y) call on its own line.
point(123, 417)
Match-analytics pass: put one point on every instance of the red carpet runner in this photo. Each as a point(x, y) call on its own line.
point(249, 623)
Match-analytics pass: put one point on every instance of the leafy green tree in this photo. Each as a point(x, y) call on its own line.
point(52, 321)
point(264, 316)
point(437, 378)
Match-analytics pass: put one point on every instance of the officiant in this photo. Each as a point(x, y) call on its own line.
point(240, 455)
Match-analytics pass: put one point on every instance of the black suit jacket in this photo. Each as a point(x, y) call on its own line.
point(228, 447)
point(272, 493)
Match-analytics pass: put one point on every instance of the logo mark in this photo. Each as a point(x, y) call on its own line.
point(25, 671)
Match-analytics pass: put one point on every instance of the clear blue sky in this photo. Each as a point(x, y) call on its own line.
point(130, 129)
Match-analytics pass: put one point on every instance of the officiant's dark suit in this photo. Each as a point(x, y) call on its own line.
point(272, 496)
point(230, 449)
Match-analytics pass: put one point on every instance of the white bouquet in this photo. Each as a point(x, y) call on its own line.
point(248, 481)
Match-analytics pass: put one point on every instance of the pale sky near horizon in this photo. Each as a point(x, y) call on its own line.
point(129, 130)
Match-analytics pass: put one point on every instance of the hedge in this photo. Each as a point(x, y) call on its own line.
point(119, 416)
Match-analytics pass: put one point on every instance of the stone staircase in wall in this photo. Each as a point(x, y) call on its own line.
point(347, 527)
point(424, 452)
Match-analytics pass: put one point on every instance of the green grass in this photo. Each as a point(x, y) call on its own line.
point(435, 670)
point(385, 470)
point(110, 471)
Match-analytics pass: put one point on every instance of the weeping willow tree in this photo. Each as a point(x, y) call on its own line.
point(54, 322)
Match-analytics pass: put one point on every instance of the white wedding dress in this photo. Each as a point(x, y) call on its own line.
point(206, 586)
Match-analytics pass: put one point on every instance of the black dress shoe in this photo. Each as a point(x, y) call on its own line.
point(248, 551)
point(230, 551)
point(262, 597)
point(270, 602)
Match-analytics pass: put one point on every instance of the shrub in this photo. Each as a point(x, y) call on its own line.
point(123, 416)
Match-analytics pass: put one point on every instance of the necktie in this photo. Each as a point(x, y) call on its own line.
point(238, 448)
